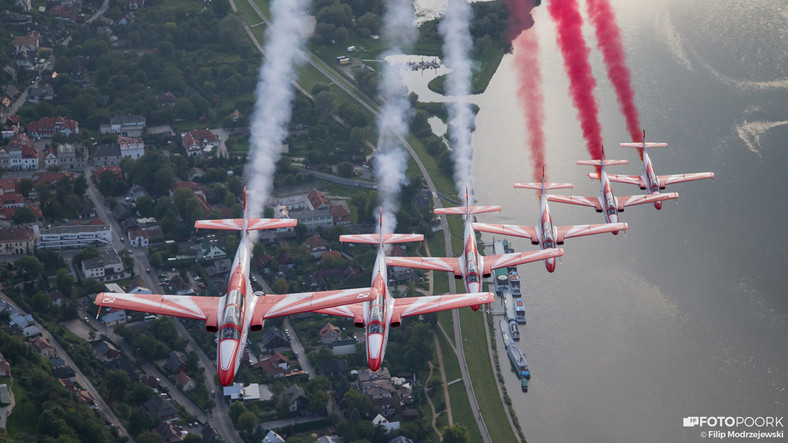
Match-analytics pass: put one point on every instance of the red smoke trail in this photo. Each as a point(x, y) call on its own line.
point(581, 81)
point(526, 48)
point(609, 42)
point(529, 77)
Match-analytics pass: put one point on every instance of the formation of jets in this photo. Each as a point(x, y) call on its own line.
point(472, 266)
point(545, 234)
point(241, 309)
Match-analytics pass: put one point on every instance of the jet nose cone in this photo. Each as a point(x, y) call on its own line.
point(226, 377)
point(375, 351)
point(658, 205)
point(550, 264)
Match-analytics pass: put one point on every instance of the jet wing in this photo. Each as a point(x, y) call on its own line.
point(269, 306)
point(448, 264)
point(641, 145)
point(355, 310)
point(576, 200)
point(406, 307)
point(515, 230)
point(630, 179)
point(632, 200)
point(581, 230)
point(681, 178)
point(195, 307)
point(492, 262)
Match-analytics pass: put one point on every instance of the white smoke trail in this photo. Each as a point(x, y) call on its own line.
point(390, 161)
point(283, 53)
point(457, 44)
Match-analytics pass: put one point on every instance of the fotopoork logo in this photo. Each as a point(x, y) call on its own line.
point(733, 422)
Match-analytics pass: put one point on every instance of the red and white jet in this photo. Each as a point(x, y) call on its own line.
point(240, 309)
point(607, 203)
point(472, 266)
point(545, 234)
point(650, 180)
point(383, 312)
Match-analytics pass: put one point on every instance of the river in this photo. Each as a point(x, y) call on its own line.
point(686, 314)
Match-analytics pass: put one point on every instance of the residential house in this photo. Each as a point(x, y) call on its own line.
point(269, 368)
point(340, 213)
point(294, 398)
point(49, 126)
point(179, 286)
point(74, 236)
point(185, 382)
point(26, 43)
point(273, 437)
point(380, 420)
point(117, 173)
point(71, 156)
point(316, 246)
point(274, 339)
point(379, 387)
point(161, 409)
point(177, 362)
point(317, 200)
point(107, 155)
point(167, 99)
point(114, 317)
point(43, 347)
point(131, 147)
point(16, 239)
point(170, 432)
point(199, 141)
point(330, 333)
point(37, 94)
point(107, 266)
point(22, 154)
point(333, 368)
point(235, 115)
point(106, 351)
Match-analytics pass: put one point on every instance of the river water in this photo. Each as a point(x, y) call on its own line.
point(687, 313)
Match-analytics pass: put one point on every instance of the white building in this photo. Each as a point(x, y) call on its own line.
point(79, 236)
point(131, 147)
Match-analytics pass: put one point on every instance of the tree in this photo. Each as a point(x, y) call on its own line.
point(455, 434)
point(236, 410)
point(29, 268)
point(64, 281)
point(318, 402)
point(357, 400)
point(247, 421)
point(345, 169)
point(24, 215)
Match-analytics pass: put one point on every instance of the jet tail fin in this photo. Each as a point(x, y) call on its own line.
point(461, 210)
point(248, 224)
point(547, 186)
